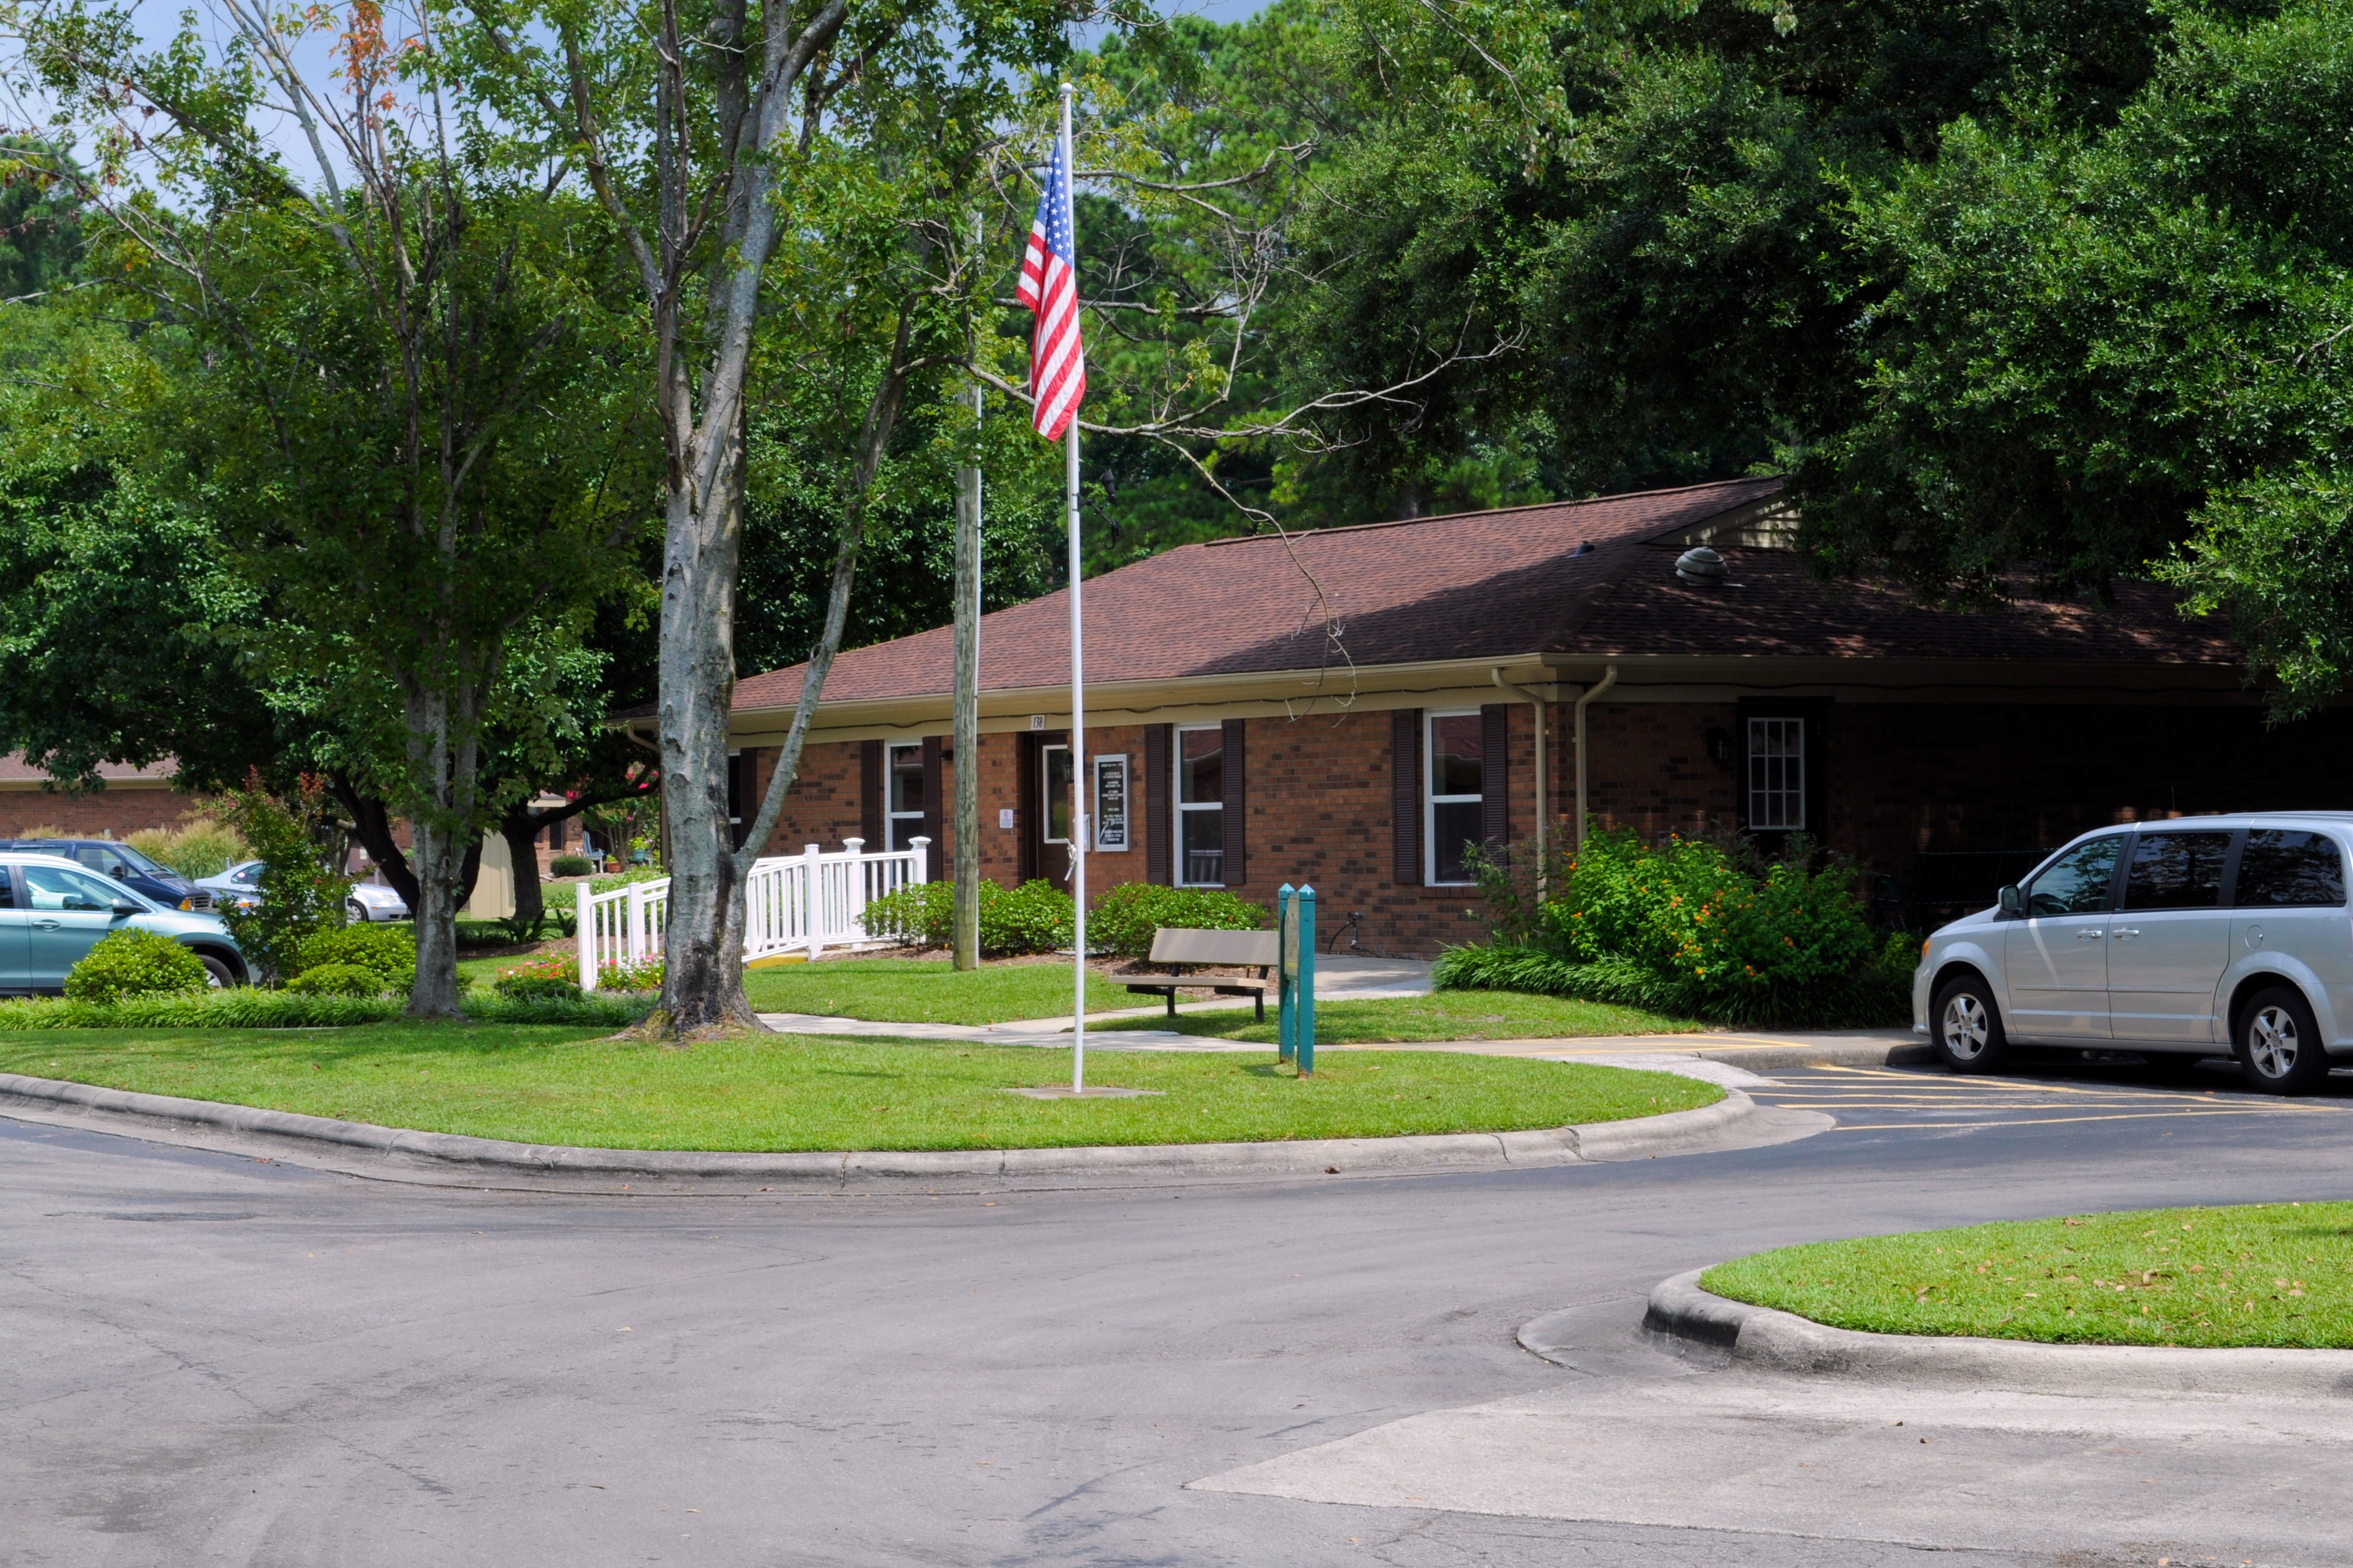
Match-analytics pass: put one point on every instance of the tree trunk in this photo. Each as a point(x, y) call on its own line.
point(703, 981)
point(439, 845)
point(372, 822)
point(521, 830)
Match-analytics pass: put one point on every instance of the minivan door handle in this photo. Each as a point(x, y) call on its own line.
point(2125, 933)
point(2089, 936)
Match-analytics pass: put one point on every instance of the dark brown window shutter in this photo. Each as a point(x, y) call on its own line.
point(934, 768)
point(1495, 773)
point(870, 784)
point(1024, 814)
point(1404, 795)
point(1235, 818)
point(1158, 860)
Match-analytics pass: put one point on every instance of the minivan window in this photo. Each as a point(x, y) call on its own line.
point(2176, 871)
point(2281, 869)
point(7, 889)
point(2077, 882)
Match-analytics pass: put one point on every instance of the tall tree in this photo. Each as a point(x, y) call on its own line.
point(389, 382)
point(806, 156)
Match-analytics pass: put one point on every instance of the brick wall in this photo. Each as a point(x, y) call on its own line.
point(103, 813)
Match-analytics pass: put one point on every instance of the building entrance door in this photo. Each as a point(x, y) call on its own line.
point(1051, 822)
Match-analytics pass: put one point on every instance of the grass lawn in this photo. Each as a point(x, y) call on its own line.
point(1444, 1015)
point(927, 991)
point(795, 1092)
point(2271, 1273)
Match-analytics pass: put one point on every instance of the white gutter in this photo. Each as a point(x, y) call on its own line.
point(1608, 679)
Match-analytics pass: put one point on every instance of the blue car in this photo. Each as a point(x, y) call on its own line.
point(53, 910)
point(126, 865)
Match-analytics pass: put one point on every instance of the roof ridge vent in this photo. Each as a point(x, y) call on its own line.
point(1701, 566)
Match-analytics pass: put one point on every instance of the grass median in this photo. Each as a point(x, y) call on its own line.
point(2267, 1274)
point(1442, 1015)
point(795, 1092)
point(927, 991)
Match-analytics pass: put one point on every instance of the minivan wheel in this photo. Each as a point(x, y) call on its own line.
point(2278, 1044)
point(356, 910)
point(217, 974)
point(1967, 1028)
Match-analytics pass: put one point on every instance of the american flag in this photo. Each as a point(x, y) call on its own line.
point(1048, 286)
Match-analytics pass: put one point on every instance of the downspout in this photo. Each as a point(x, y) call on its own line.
point(1543, 777)
point(1609, 679)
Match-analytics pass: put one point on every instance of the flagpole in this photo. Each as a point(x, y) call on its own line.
point(1081, 828)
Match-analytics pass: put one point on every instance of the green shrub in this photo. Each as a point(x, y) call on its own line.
point(623, 975)
point(338, 980)
point(922, 913)
point(536, 985)
point(386, 951)
point(1693, 928)
point(576, 1007)
point(133, 962)
point(237, 1007)
point(1035, 917)
point(198, 847)
point(1124, 918)
point(613, 879)
point(301, 896)
point(568, 865)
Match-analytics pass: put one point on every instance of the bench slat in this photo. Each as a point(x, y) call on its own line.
point(1170, 946)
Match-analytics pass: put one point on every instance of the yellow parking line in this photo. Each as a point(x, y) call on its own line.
point(2060, 1120)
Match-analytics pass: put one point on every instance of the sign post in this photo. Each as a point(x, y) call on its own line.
point(1303, 1009)
point(1285, 970)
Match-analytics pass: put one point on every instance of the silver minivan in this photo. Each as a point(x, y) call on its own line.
point(2189, 938)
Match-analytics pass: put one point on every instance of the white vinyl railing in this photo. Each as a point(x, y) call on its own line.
point(803, 903)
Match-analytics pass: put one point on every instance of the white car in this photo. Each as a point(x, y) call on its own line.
point(240, 887)
point(2192, 936)
point(366, 901)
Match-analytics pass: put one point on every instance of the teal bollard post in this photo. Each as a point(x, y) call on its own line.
point(1282, 973)
point(1303, 1011)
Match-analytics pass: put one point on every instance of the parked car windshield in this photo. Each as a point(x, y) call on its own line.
point(117, 860)
point(2077, 882)
point(54, 888)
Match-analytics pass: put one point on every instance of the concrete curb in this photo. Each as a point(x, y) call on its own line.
point(452, 1159)
point(1766, 1340)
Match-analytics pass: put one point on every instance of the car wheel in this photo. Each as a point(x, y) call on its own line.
point(1966, 1027)
point(356, 910)
point(2278, 1044)
point(217, 974)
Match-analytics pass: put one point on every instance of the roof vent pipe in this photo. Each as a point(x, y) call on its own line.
point(1701, 566)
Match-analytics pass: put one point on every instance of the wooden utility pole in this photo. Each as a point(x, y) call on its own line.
point(966, 741)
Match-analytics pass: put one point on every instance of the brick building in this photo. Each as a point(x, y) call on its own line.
point(135, 799)
point(1347, 709)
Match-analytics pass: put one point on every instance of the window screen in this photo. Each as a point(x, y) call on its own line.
point(2281, 869)
point(1776, 773)
point(2176, 871)
point(1457, 811)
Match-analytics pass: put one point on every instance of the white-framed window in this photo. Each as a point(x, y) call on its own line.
point(1776, 773)
point(1200, 795)
point(1454, 808)
point(903, 795)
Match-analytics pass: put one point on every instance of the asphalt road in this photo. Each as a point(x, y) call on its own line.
point(207, 1359)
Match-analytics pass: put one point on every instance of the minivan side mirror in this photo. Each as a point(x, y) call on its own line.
point(2013, 903)
point(124, 906)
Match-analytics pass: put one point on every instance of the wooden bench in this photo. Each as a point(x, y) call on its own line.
point(1230, 948)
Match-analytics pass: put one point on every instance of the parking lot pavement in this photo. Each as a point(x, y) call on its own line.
point(1925, 1099)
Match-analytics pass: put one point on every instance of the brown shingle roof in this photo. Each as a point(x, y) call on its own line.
point(1474, 585)
point(1778, 609)
point(14, 769)
point(1494, 584)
